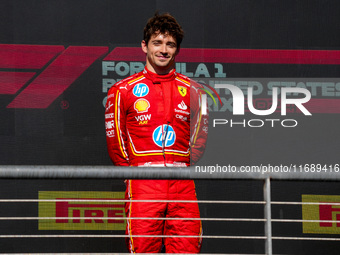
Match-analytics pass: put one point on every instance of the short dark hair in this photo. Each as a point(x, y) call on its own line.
point(164, 24)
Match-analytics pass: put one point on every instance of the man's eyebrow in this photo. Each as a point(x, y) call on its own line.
point(160, 41)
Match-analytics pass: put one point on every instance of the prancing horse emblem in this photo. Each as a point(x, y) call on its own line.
point(182, 90)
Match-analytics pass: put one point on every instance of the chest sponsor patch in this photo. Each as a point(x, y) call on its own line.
point(164, 136)
point(182, 106)
point(109, 124)
point(109, 116)
point(108, 106)
point(143, 119)
point(182, 90)
point(141, 105)
point(140, 90)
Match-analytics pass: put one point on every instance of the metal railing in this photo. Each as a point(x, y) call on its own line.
point(105, 172)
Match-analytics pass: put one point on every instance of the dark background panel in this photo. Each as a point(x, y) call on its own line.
point(76, 135)
point(288, 191)
point(223, 23)
point(206, 190)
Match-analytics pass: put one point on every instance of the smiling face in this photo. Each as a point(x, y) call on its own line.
point(161, 51)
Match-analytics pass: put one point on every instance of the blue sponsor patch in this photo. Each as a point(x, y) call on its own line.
point(164, 136)
point(140, 90)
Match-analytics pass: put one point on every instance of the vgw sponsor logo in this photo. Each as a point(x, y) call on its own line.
point(143, 119)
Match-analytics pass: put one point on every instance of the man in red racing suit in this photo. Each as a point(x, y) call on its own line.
point(153, 118)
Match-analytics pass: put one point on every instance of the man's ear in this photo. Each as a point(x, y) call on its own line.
point(144, 47)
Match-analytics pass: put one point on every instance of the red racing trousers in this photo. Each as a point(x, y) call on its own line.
point(162, 190)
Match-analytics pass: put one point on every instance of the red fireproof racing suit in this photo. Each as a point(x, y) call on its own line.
point(155, 120)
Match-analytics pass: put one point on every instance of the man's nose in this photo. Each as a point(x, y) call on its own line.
point(164, 49)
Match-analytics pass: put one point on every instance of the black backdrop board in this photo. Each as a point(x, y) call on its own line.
point(56, 67)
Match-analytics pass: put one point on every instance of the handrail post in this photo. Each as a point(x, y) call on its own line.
point(268, 216)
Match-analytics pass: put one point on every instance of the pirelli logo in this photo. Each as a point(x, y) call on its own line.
point(323, 214)
point(81, 210)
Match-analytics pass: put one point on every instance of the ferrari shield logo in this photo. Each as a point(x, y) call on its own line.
point(182, 91)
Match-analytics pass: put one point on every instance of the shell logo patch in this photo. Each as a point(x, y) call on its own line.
point(141, 105)
point(182, 90)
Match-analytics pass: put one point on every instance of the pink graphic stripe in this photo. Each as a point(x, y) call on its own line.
point(245, 56)
point(27, 56)
point(57, 77)
point(11, 82)
point(316, 105)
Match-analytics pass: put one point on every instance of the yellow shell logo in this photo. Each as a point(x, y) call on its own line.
point(142, 105)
